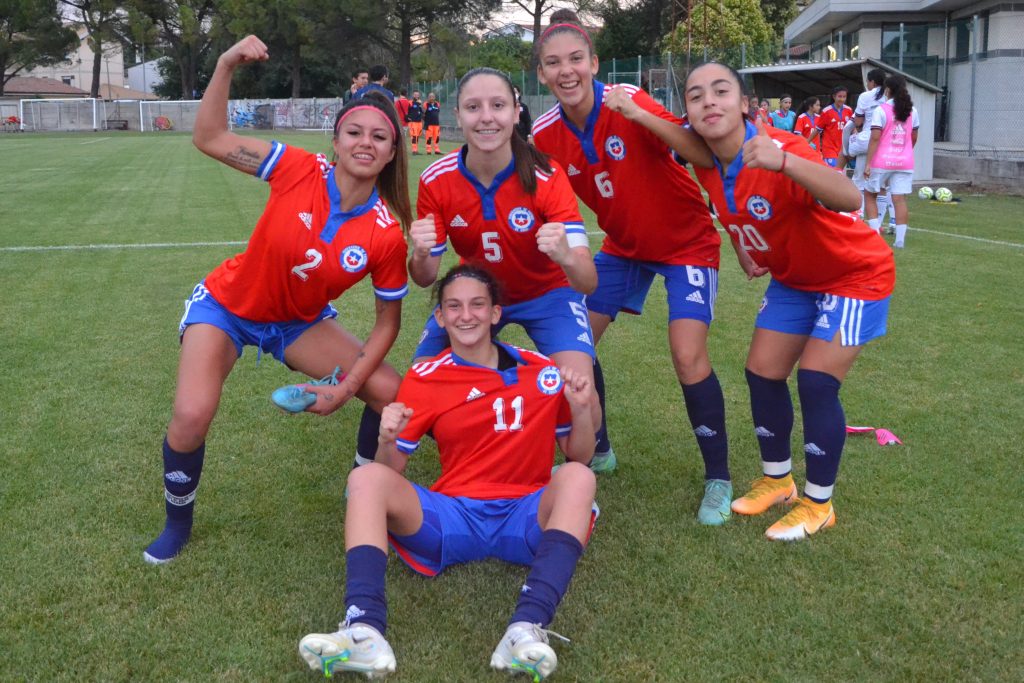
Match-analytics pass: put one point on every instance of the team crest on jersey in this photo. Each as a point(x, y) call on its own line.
point(520, 219)
point(759, 208)
point(549, 381)
point(615, 147)
point(353, 258)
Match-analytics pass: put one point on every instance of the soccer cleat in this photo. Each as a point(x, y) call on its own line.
point(603, 462)
point(357, 647)
point(807, 518)
point(764, 493)
point(294, 398)
point(524, 647)
point(715, 508)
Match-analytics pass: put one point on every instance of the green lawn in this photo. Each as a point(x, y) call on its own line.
point(921, 578)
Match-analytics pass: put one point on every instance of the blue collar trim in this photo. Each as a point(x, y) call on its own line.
point(730, 175)
point(486, 193)
point(338, 217)
point(510, 376)
point(586, 136)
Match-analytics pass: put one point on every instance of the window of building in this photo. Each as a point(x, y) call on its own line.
point(67, 79)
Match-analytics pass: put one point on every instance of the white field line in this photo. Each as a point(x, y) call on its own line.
point(89, 142)
point(179, 245)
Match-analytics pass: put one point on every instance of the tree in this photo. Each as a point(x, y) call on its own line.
point(183, 27)
point(32, 34)
point(104, 21)
point(631, 30)
point(778, 14)
point(722, 27)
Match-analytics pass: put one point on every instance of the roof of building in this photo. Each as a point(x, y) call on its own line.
point(117, 92)
point(802, 79)
point(29, 86)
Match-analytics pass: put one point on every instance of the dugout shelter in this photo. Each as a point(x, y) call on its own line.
point(804, 79)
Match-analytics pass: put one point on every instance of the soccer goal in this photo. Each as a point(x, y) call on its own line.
point(61, 114)
point(172, 115)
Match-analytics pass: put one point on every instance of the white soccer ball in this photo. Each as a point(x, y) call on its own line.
point(943, 194)
point(926, 192)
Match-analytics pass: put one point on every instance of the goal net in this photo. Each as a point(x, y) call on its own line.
point(62, 114)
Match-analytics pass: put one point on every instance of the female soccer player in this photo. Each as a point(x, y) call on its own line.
point(807, 118)
point(655, 222)
point(829, 126)
point(493, 410)
point(829, 293)
point(784, 117)
point(891, 155)
point(503, 205)
point(325, 227)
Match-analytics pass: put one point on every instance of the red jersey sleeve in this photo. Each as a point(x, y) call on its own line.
point(287, 166)
point(387, 262)
point(647, 102)
point(427, 204)
point(559, 205)
point(414, 393)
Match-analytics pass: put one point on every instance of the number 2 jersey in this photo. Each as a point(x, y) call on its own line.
point(646, 202)
point(306, 251)
point(782, 227)
point(496, 226)
point(494, 429)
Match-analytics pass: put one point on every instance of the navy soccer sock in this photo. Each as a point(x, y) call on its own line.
point(181, 479)
point(772, 410)
point(550, 573)
point(824, 431)
point(366, 441)
point(364, 587)
point(603, 443)
point(705, 406)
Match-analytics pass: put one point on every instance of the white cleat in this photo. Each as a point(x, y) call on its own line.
point(524, 647)
point(359, 648)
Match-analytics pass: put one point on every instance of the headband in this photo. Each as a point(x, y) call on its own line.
point(574, 27)
point(344, 116)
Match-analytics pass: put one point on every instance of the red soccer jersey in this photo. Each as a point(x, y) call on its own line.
point(305, 251)
point(831, 123)
point(402, 105)
point(804, 125)
point(494, 429)
point(646, 202)
point(497, 226)
point(803, 244)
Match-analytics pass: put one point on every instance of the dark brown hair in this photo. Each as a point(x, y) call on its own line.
point(562, 21)
point(469, 270)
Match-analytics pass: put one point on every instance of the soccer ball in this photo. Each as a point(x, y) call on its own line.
point(943, 194)
point(926, 192)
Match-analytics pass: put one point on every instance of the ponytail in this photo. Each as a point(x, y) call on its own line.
point(902, 105)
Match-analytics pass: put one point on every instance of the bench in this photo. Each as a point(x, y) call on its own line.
point(117, 124)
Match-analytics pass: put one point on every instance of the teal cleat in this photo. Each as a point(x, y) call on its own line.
point(715, 508)
point(603, 462)
point(295, 399)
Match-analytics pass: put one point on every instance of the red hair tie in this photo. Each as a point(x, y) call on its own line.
point(391, 126)
point(574, 27)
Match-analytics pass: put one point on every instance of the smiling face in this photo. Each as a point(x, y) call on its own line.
point(364, 143)
point(486, 112)
point(467, 313)
point(715, 103)
point(839, 99)
point(567, 67)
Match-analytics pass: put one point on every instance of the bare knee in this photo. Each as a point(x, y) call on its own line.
point(369, 479)
point(576, 480)
point(190, 423)
point(692, 364)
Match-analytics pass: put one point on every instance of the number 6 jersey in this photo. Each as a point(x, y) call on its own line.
point(803, 244)
point(495, 429)
point(305, 251)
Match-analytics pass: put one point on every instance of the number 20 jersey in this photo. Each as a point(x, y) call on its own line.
point(494, 429)
point(782, 227)
point(305, 251)
point(646, 202)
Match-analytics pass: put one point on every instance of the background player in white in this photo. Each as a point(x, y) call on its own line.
point(891, 155)
point(493, 410)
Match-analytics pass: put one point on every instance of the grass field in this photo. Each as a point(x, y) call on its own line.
point(921, 578)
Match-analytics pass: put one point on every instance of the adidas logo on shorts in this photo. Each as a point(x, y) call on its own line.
point(458, 222)
point(822, 322)
point(585, 338)
point(695, 297)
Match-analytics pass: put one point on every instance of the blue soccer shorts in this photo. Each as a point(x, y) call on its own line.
point(271, 338)
point(555, 321)
point(821, 315)
point(622, 285)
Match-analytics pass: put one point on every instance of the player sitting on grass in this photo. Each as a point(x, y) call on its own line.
point(493, 410)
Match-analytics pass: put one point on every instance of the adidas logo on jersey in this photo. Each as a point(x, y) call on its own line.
point(474, 393)
point(696, 297)
point(585, 338)
point(704, 431)
point(307, 219)
point(812, 449)
point(573, 170)
point(458, 222)
point(822, 322)
point(763, 433)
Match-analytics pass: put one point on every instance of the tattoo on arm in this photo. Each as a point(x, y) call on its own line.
point(244, 158)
